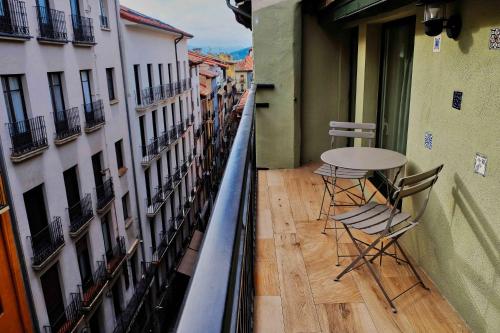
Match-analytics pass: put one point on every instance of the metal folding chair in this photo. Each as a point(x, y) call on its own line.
point(389, 224)
point(345, 130)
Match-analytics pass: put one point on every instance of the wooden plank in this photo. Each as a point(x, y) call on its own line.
point(268, 315)
point(275, 178)
point(266, 278)
point(264, 224)
point(299, 312)
point(281, 211)
point(299, 212)
point(345, 318)
point(265, 249)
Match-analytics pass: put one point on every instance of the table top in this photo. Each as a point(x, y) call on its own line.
point(364, 158)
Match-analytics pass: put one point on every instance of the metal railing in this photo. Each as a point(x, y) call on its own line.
point(51, 24)
point(90, 289)
point(168, 186)
point(14, 21)
point(83, 29)
point(179, 127)
point(45, 242)
point(27, 135)
point(104, 21)
point(115, 256)
point(155, 202)
point(94, 114)
point(67, 123)
point(69, 318)
point(173, 133)
point(80, 213)
point(221, 292)
point(150, 151)
point(105, 193)
point(159, 252)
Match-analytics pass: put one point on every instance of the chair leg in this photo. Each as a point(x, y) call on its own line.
point(411, 266)
point(322, 200)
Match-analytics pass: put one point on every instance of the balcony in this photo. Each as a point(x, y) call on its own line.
point(155, 202)
point(70, 319)
point(51, 25)
point(168, 187)
point(105, 195)
point(28, 137)
point(94, 116)
point(160, 251)
point(46, 244)
point(164, 140)
point(14, 21)
point(67, 124)
point(177, 177)
point(178, 87)
point(150, 152)
point(83, 31)
point(104, 22)
point(184, 169)
point(92, 289)
point(174, 135)
point(80, 216)
point(116, 257)
point(179, 127)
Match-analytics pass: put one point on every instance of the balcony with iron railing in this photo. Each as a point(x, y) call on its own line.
point(28, 137)
point(149, 96)
point(177, 177)
point(105, 195)
point(83, 30)
point(168, 187)
point(51, 25)
point(94, 116)
point(125, 321)
point(163, 140)
point(173, 134)
point(116, 257)
point(14, 21)
point(104, 22)
point(150, 151)
point(179, 128)
point(69, 319)
point(161, 249)
point(46, 244)
point(155, 202)
point(92, 289)
point(67, 124)
point(178, 87)
point(80, 216)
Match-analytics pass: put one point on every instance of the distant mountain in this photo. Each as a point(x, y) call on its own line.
point(236, 54)
point(240, 54)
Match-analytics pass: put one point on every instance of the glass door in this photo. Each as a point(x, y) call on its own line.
point(87, 95)
point(16, 111)
point(58, 105)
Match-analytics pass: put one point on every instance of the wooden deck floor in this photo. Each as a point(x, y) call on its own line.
point(295, 268)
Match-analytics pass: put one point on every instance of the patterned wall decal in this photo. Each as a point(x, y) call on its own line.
point(457, 100)
point(480, 164)
point(495, 39)
point(428, 140)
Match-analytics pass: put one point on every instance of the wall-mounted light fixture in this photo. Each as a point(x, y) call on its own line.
point(435, 19)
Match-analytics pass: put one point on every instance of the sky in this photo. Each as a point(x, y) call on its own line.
point(210, 21)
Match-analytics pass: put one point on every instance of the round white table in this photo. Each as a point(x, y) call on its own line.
point(364, 158)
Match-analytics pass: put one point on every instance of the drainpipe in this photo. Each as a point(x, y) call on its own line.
point(127, 107)
point(19, 248)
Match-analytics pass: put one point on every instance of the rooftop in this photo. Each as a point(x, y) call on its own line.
point(245, 65)
point(137, 17)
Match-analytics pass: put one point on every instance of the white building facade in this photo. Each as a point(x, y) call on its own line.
point(67, 159)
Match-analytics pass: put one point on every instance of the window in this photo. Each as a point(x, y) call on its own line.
point(111, 83)
point(14, 98)
point(86, 89)
point(133, 268)
point(160, 73)
point(150, 75)
point(165, 118)
point(117, 298)
point(126, 276)
point(169, 73)
point(56, 92)
point(137, 78)
point(106, 234)
point(83, 256)
point(119, 154)
point(52, 294)
point(125, 203)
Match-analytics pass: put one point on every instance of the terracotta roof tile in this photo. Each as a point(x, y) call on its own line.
point(208, 73)
point(241, 103)
point(246, 65)
point(135, 16)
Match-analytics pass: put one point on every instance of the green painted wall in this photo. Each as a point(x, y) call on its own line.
point(458, 243)
point(277, 55)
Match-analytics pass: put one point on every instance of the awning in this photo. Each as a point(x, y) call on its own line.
point(341, 10)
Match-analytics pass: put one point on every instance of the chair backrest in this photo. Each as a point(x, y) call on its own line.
point(412, 185)
point(352, 130)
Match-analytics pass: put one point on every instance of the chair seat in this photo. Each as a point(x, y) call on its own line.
point(326, 171)
point(371, 218)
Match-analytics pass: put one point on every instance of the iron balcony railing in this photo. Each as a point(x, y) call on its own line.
point(27, 135)
point(67, 123)
point(154, 203)
point(221, 293)
point(116, 256)
point(179, 127)
point(150, 151)
point(177, 176)
point(13, 19)
point(185, 124)
point(184, 84)
point(105, 193)
point(104, 21)
point(83, 29)
point(168, 186)
point(184, 168)
point(127, 317)
point(94, 114)
point(51, 24)
point(168, 90)
point(47, 241)
point(173, 133)
point(80, 213)
point(164, 140)
point(150, 95)
point(159, 252)
point(69, 318)
point(178, 87)
point(93, 285)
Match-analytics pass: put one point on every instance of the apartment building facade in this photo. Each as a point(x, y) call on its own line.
point(66, 154)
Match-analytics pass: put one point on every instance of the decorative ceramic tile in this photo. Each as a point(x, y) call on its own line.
point(457, 100)
point(495, 39)
point(436, 47)
point(428, 140)
point(480, 164)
